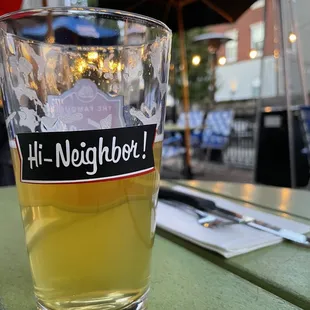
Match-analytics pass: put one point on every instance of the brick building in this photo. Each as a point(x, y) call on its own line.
point(238, 71)
point(248, 34)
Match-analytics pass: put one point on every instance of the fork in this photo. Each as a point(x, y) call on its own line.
point(205, 219)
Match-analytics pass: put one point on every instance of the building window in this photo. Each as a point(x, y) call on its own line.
point(257, 37)
point(258, 4)
point(231, 47)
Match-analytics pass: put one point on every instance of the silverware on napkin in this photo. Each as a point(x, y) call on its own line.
point(210, 207)
point(204, 218)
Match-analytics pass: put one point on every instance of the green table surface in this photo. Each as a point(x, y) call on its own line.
point(284, 200)
point(183, 276)
point(281, 269)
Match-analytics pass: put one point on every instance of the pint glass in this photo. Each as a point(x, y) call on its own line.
point(84, 95)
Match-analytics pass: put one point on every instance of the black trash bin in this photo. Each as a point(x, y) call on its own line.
point(273, 160)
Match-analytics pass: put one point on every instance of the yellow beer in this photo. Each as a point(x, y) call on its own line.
point(90, 243)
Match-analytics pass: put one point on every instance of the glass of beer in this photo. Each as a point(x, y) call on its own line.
point(84, 94)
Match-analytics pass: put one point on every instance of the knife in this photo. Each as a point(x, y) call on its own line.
point(211, 207)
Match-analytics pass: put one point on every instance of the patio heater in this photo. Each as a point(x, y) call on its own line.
point(213, 41)
point(280, 160)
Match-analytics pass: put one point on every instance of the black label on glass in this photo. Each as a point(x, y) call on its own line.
point(83, 156)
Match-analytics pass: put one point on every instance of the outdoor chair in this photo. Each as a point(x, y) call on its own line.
point(174, 144)
point(216, 135)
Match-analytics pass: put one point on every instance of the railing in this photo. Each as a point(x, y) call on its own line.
point(240, 151)
point(241, 148)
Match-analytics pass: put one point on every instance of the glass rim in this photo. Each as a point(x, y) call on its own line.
point(122, 15)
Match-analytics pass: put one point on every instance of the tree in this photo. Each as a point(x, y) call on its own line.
point(199, 76)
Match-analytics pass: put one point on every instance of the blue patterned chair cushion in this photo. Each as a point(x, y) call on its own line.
point(218, 128)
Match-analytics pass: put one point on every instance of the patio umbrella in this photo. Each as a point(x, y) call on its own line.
point(72, 30)
point(181, 15)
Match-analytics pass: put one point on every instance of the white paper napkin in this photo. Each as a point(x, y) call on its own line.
point(230, 240)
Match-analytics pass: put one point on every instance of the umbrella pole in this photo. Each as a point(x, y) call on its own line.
point(50, 32)
point(184, 74)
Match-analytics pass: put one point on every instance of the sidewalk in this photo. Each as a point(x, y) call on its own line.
point(208, 171)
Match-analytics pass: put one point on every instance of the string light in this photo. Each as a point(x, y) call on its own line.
point(120, 67)
point(292, 37)
point(92, 56)
point(276, 53)
point(92, 62)
point(196, 60)
point(253, 54)
point(222, 61)
point(113, 66)
point(81, 65)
